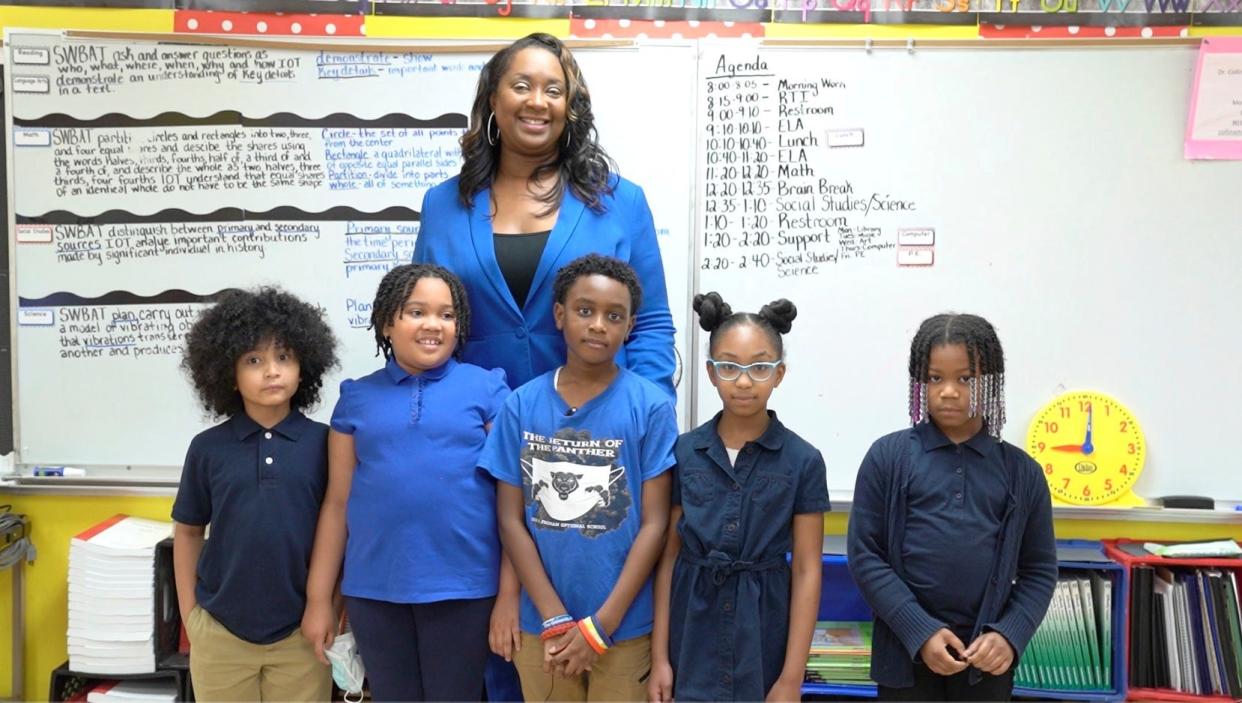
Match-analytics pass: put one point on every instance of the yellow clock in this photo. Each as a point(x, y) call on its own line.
point(1090, 447)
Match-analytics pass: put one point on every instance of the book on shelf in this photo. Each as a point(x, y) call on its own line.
point(1072, 649)
point(840, 654)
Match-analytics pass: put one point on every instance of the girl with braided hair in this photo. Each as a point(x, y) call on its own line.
point(413, 521)
point(747, 491)
point(950, 533)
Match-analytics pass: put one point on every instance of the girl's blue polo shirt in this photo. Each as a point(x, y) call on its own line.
point(421, 517)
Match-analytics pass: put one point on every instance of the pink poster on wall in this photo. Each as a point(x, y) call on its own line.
point(1214, 127)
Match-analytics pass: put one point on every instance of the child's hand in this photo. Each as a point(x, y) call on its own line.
point(504, 636)
point(991, 653)
point(319, 627)
point(572, 655)
point(936, 656)
point(785, 691)
point(185, 616)
point(550, 665)
point(660, 685)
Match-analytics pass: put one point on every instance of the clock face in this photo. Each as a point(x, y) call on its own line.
point(1089, 445)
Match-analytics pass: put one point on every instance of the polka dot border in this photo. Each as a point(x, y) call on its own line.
point(589, 27)
point(268, 24)
point(1000, 31)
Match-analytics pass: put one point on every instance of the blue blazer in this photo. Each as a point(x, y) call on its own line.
point(522, 339)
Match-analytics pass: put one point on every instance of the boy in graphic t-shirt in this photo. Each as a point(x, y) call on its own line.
point(581, 455)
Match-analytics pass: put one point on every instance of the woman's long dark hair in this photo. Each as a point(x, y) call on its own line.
point(583, 166)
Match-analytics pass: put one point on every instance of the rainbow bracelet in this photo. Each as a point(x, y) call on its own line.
point(594, 634)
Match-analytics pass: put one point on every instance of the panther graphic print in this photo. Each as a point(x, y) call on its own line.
point(573, 482)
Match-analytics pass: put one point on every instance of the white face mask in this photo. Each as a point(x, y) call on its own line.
point(570, 491)
point(347, 669)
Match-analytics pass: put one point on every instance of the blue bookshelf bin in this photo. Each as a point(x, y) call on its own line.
point(840, 599)
point(1088, 555)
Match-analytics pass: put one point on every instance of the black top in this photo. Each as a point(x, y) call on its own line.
point(260, 490)
point(518, 256)
point(956, 500)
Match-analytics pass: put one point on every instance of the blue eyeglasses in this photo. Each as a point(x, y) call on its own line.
point(759, 371)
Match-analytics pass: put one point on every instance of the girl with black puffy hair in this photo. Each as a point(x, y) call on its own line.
point(733, 618)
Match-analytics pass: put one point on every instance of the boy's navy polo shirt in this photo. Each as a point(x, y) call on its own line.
point(957, 498)
point(260, 491)
point(421, 516)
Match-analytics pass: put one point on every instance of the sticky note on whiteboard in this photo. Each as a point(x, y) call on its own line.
point(32, 84)
point(916, 236)
point(28, 55)
point(845, 137)
point(36, 317)
point(915, 256)
point(32, 136)
point(34, 234)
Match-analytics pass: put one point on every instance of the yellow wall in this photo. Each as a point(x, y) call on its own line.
point(56, 519)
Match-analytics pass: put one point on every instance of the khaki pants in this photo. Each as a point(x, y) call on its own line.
point(620, 674)
point(224, 667)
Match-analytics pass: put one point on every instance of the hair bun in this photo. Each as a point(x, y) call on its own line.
point(712, 310)
point(780, 314)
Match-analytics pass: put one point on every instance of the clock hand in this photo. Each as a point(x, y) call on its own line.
point(1087, 447)
point(1068, 448)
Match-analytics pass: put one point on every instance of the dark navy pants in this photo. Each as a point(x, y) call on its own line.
point(503, 685)
point(930, 686)
point(422, 651)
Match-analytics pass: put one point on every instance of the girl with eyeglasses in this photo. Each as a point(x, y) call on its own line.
point(734, 618)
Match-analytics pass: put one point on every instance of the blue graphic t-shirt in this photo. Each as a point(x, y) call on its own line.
point(581, 474)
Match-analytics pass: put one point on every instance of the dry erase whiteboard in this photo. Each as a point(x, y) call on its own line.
point(1043, 189)
point(145, 176)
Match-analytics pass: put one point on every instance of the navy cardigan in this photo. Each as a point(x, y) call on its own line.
point(1024, 568)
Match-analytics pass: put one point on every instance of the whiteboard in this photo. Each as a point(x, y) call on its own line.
point(147, 176)
point(1052, 188)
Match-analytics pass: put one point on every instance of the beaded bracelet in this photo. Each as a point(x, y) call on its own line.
point(594, 634)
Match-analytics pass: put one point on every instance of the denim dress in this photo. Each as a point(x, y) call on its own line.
point(729, 608)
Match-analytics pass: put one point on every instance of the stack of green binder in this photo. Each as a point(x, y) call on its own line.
point(840, 654)
point(1073, 648)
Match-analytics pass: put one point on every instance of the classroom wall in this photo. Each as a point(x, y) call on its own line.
point(55, 519)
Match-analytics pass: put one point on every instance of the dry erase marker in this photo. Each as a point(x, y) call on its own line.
point(58, 471)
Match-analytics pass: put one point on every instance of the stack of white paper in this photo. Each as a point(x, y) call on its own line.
point(162, 691)
point(112, 596)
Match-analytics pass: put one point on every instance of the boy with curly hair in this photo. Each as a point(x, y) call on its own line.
point(258, 479)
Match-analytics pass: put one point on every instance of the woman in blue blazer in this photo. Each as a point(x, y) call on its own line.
point(535, 192)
